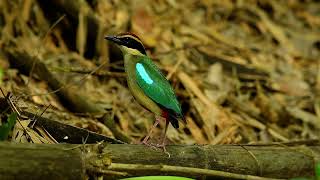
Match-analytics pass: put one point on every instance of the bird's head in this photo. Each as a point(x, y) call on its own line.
point(129, 43)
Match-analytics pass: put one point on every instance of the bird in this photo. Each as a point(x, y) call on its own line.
point(147, 84)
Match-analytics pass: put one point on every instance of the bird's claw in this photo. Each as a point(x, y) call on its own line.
point(148, 144)
point(163, 147)
point(157, 146)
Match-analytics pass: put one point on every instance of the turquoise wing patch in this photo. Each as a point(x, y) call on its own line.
point(141, 71)
point(155, 85)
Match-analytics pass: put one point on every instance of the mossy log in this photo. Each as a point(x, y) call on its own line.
point(65, 161)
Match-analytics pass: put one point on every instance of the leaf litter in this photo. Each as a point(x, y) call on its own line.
point(244, 71)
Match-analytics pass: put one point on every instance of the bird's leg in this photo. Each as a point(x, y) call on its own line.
point(164, 135)
point(163, 143)
point(145, 140)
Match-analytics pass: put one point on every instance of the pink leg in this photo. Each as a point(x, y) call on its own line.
point(145, 140)
point(163, 144)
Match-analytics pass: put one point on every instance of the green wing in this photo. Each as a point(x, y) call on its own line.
point(155, 85)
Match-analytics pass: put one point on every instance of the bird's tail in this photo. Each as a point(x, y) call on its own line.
point(174, 118)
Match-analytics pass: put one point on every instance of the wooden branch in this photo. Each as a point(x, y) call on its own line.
point(59, 130)
point(267, 161)
point(75, 135)
point(184, 171)
point(32, 161)
point(65, 161)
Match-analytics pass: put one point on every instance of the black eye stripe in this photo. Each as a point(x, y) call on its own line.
point(134, 44)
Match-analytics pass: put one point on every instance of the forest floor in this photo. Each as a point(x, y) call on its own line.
point(244, 71)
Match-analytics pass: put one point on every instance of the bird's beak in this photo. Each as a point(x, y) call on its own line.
point(114, 39)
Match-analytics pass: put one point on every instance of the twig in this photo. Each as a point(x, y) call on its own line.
point(83, 71)
point(175, 67)
point(181, 49)
point(255, 158)
point(70, 84)
point(184, 170)
point(35, 120)
point(107, 172)
point(15, 109)
point(44, 39)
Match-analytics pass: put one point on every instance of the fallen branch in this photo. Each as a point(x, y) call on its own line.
point(44, 161)
point(184, 171)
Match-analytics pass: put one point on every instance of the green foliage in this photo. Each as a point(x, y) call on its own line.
point(158, 178)
point(318, 171)
point(5, 128)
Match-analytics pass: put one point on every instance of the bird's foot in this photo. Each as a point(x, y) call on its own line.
point(163, 147)
point(148, 144)
point(156, 146)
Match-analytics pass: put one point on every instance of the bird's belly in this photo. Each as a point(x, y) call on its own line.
point(142, 99)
